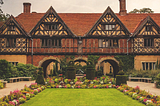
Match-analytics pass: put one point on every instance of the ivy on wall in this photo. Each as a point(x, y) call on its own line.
point(127, 60)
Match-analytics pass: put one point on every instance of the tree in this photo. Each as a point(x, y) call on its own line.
point(3, 16)
point(143, 10)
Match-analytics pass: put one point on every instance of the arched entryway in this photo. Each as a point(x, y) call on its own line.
point(81, 61)
point(48, 64)
point(109, 65)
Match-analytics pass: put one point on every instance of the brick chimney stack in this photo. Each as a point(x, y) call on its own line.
point(123, 10)
point(26, 7)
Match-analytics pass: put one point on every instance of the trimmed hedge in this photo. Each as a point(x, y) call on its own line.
point(121, 79)
point(71, 72)
point(40, 78)
point(90, 73)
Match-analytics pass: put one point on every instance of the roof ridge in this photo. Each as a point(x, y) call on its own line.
point(135, 29)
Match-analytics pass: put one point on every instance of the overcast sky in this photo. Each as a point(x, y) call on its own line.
point(15, 7)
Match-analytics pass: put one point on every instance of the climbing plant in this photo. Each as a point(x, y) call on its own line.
point(126, 61)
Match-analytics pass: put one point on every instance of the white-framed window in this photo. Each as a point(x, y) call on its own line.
point(14, 63)
point(148, 65)
point(109, 27)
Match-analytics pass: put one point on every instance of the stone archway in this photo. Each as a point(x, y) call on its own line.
point(81, 59)
point(45, 62)
point(112, 61)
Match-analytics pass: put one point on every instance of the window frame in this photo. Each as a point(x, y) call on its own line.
point(148, 42)
point(148, 65)
point(105, 43)
point(49, 43)
point(11, 42)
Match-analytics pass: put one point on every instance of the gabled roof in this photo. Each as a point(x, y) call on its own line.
point(51, 10)
point(11, 18)
point(81, 23)
point(142, 23)
point(108, 10)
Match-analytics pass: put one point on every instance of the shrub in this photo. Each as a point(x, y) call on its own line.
point(1, 85)
point(121, 73)
point(40, 78)
point(158, 81)
point(90, 73)
point(3, 104)
point(121, 79)
point(70, 74)
point(35, 91)
point(27, 97)
point(21, 100)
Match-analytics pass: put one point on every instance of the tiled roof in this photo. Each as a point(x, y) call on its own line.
point(81, 23)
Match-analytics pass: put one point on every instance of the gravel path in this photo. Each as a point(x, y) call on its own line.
point(149, 87)
point(14, 86)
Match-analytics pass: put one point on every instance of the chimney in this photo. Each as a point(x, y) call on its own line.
point(26, 7)
point(123, 10)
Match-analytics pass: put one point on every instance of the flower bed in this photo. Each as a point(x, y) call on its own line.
point(102, 82)
point(140, 95)
point(18, 97)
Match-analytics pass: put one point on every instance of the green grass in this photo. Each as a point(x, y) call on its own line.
point(81, 97)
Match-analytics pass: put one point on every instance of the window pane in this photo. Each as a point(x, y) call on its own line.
point(150, 66)
point(149, 42)
point(59, 42)
point(50, 27)
point(154, 66)
point(110, 27)
point(146, 66)
point(106, 27)
point(104, 43)
point(56, 42)
point(52, 42)
point(143, 66)
point(145, 42)
point(100, 42)
point(45, 42)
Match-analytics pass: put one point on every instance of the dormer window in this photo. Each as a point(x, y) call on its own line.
point(148, 28)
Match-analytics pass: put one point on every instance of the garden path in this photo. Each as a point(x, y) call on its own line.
point(149, 87)
point(14, 86)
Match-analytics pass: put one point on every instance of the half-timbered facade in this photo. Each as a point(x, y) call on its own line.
point(43, 38)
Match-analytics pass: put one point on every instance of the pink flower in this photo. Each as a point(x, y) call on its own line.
point(11, 103)
point(107, 86)
point(137, 88)
point(145, 100)
point(79, 86)
point(65, 86)
point(94, 86)
point(57, 86)
point(24, 97)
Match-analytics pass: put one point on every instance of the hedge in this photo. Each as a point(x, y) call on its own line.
point(121, 79)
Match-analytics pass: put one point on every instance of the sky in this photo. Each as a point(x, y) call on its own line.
point(15, 7)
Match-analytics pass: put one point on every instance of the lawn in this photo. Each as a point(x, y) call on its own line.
point(81, 97)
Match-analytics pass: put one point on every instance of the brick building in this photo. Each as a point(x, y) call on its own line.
point(43, 38)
